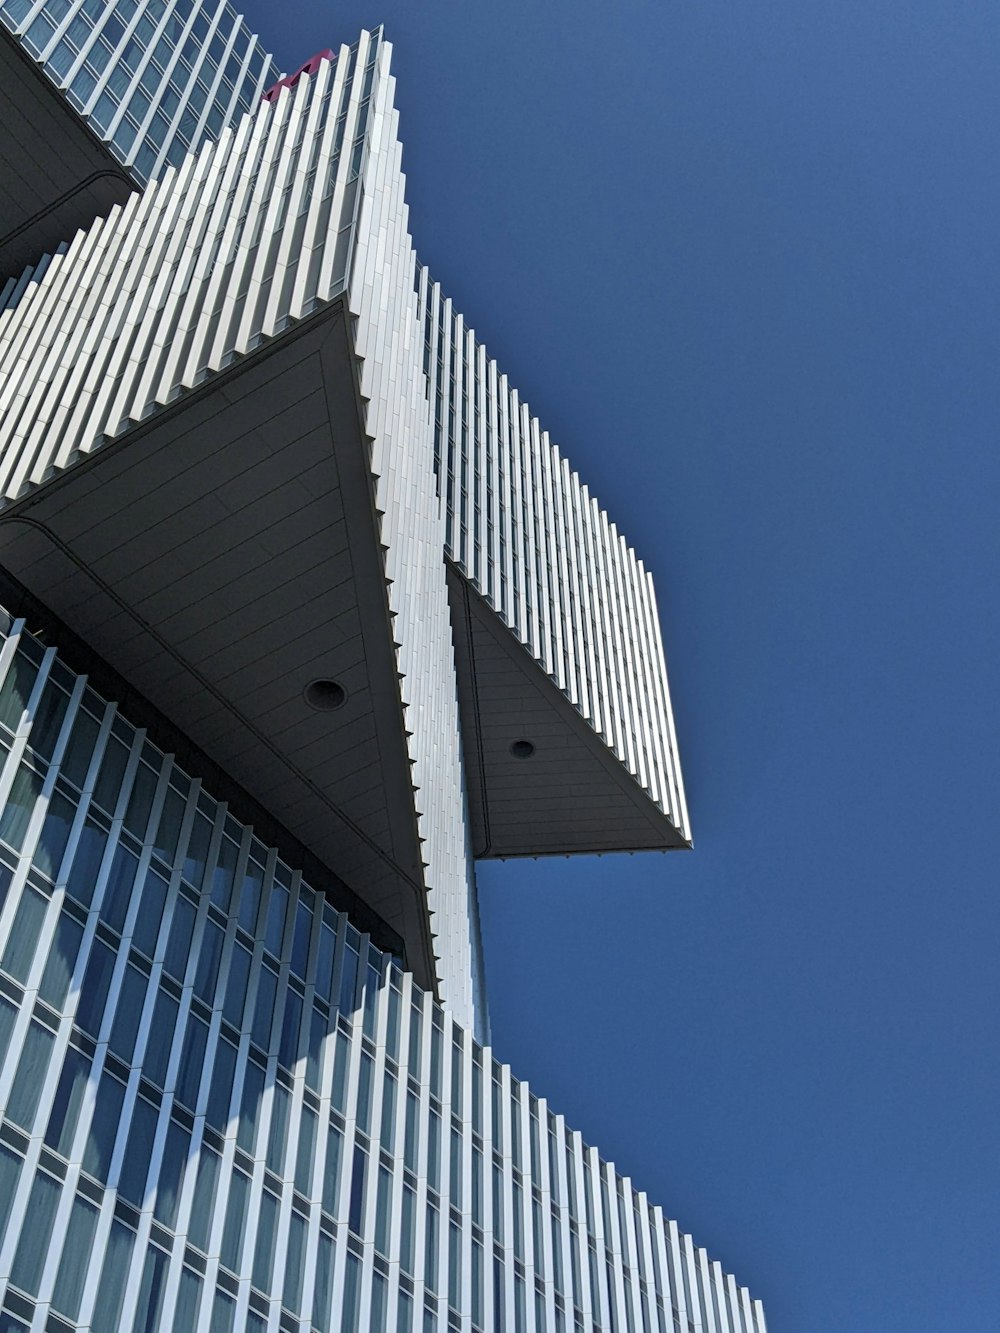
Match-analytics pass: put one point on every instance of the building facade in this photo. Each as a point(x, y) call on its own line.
point(305, 615)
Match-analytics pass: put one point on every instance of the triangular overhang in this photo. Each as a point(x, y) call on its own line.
point(223, 555)
point(56, 176)
point(570, 793)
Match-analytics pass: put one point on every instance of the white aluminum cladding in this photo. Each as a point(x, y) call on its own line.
point(531, 538)
point(299, 204)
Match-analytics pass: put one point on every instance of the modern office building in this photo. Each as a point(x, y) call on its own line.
point(305, 614)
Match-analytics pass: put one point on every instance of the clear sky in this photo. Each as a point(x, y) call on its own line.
point(742, 260)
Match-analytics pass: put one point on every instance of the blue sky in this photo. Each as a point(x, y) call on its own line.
point(742, 260)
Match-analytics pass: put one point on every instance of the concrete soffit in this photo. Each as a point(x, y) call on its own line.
point(570, 793)
point(225, 554)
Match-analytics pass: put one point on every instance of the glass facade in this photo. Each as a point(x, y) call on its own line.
point(223, 1108)
point(153, 79)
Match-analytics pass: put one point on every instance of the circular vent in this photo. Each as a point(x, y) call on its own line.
point(325, 695)
point(522, 749)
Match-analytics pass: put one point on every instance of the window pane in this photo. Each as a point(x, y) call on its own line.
point(19, 952)
point(27, 1086)
point(111, 1291)
point(75, 1262)
point(103, 1127)
point(61, 961)
point(33, 1245)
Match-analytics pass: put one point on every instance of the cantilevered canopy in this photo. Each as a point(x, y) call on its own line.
point(225, 556)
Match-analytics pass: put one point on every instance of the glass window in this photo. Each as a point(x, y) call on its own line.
point(236, 1216)
point(236, 985)
point(331, 1170)
point(192, 1062)
point(103, 1127)
point(340, 1072)
point(277, 909)
point(68, 1099)
point(209, 957)
point(305, 1154)
point(416, 1025)
point(19, 953)
point(161, 1036)
point(24, 792)
point(147, 923)
point(61, 961)
point(407, 1239)
point(454, 1266)
point(388, 1127)
point(250, 1105)
point(263, 1015)
point(455, 1184)
point(434, 1150)
point(138, 1151)
point(437, 1039)
point(221, 1087)
point(392, 1023)
point(10, 1172)
point(143, 785)
point(203, 1204)
point(324, 963)
point(295, 1262)
point(111, 1290)
point(411, 1142)
point(267, 1235)
point(431, 1249)
point(365, 1093)
point(383, 1210)
point(314, 1055)
point(178, 951)
point(22, 1102)
point(87, 861)
point(113, 767)
point(322, 1288)
point(352, 1293)
point(118, 891)
point(291, 1023)
point(74, 1265)
point(197, 850)
point(380, 1301)
point(54, 836)
point(370, 1000)
point(16, 690)
point(277, 1135)
point(477, 1186)
point(188, 1300)
point(169, 828)
point(356, 1211)
point(151, 1291)
point(128, 1013)
point(224, 875)
point(172, 1168)
point(80, 748)
point(300, 939)
point(33, 1245)
point(223, 1313)
point(253, 880)
point(349, 981)
point(48, 720)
